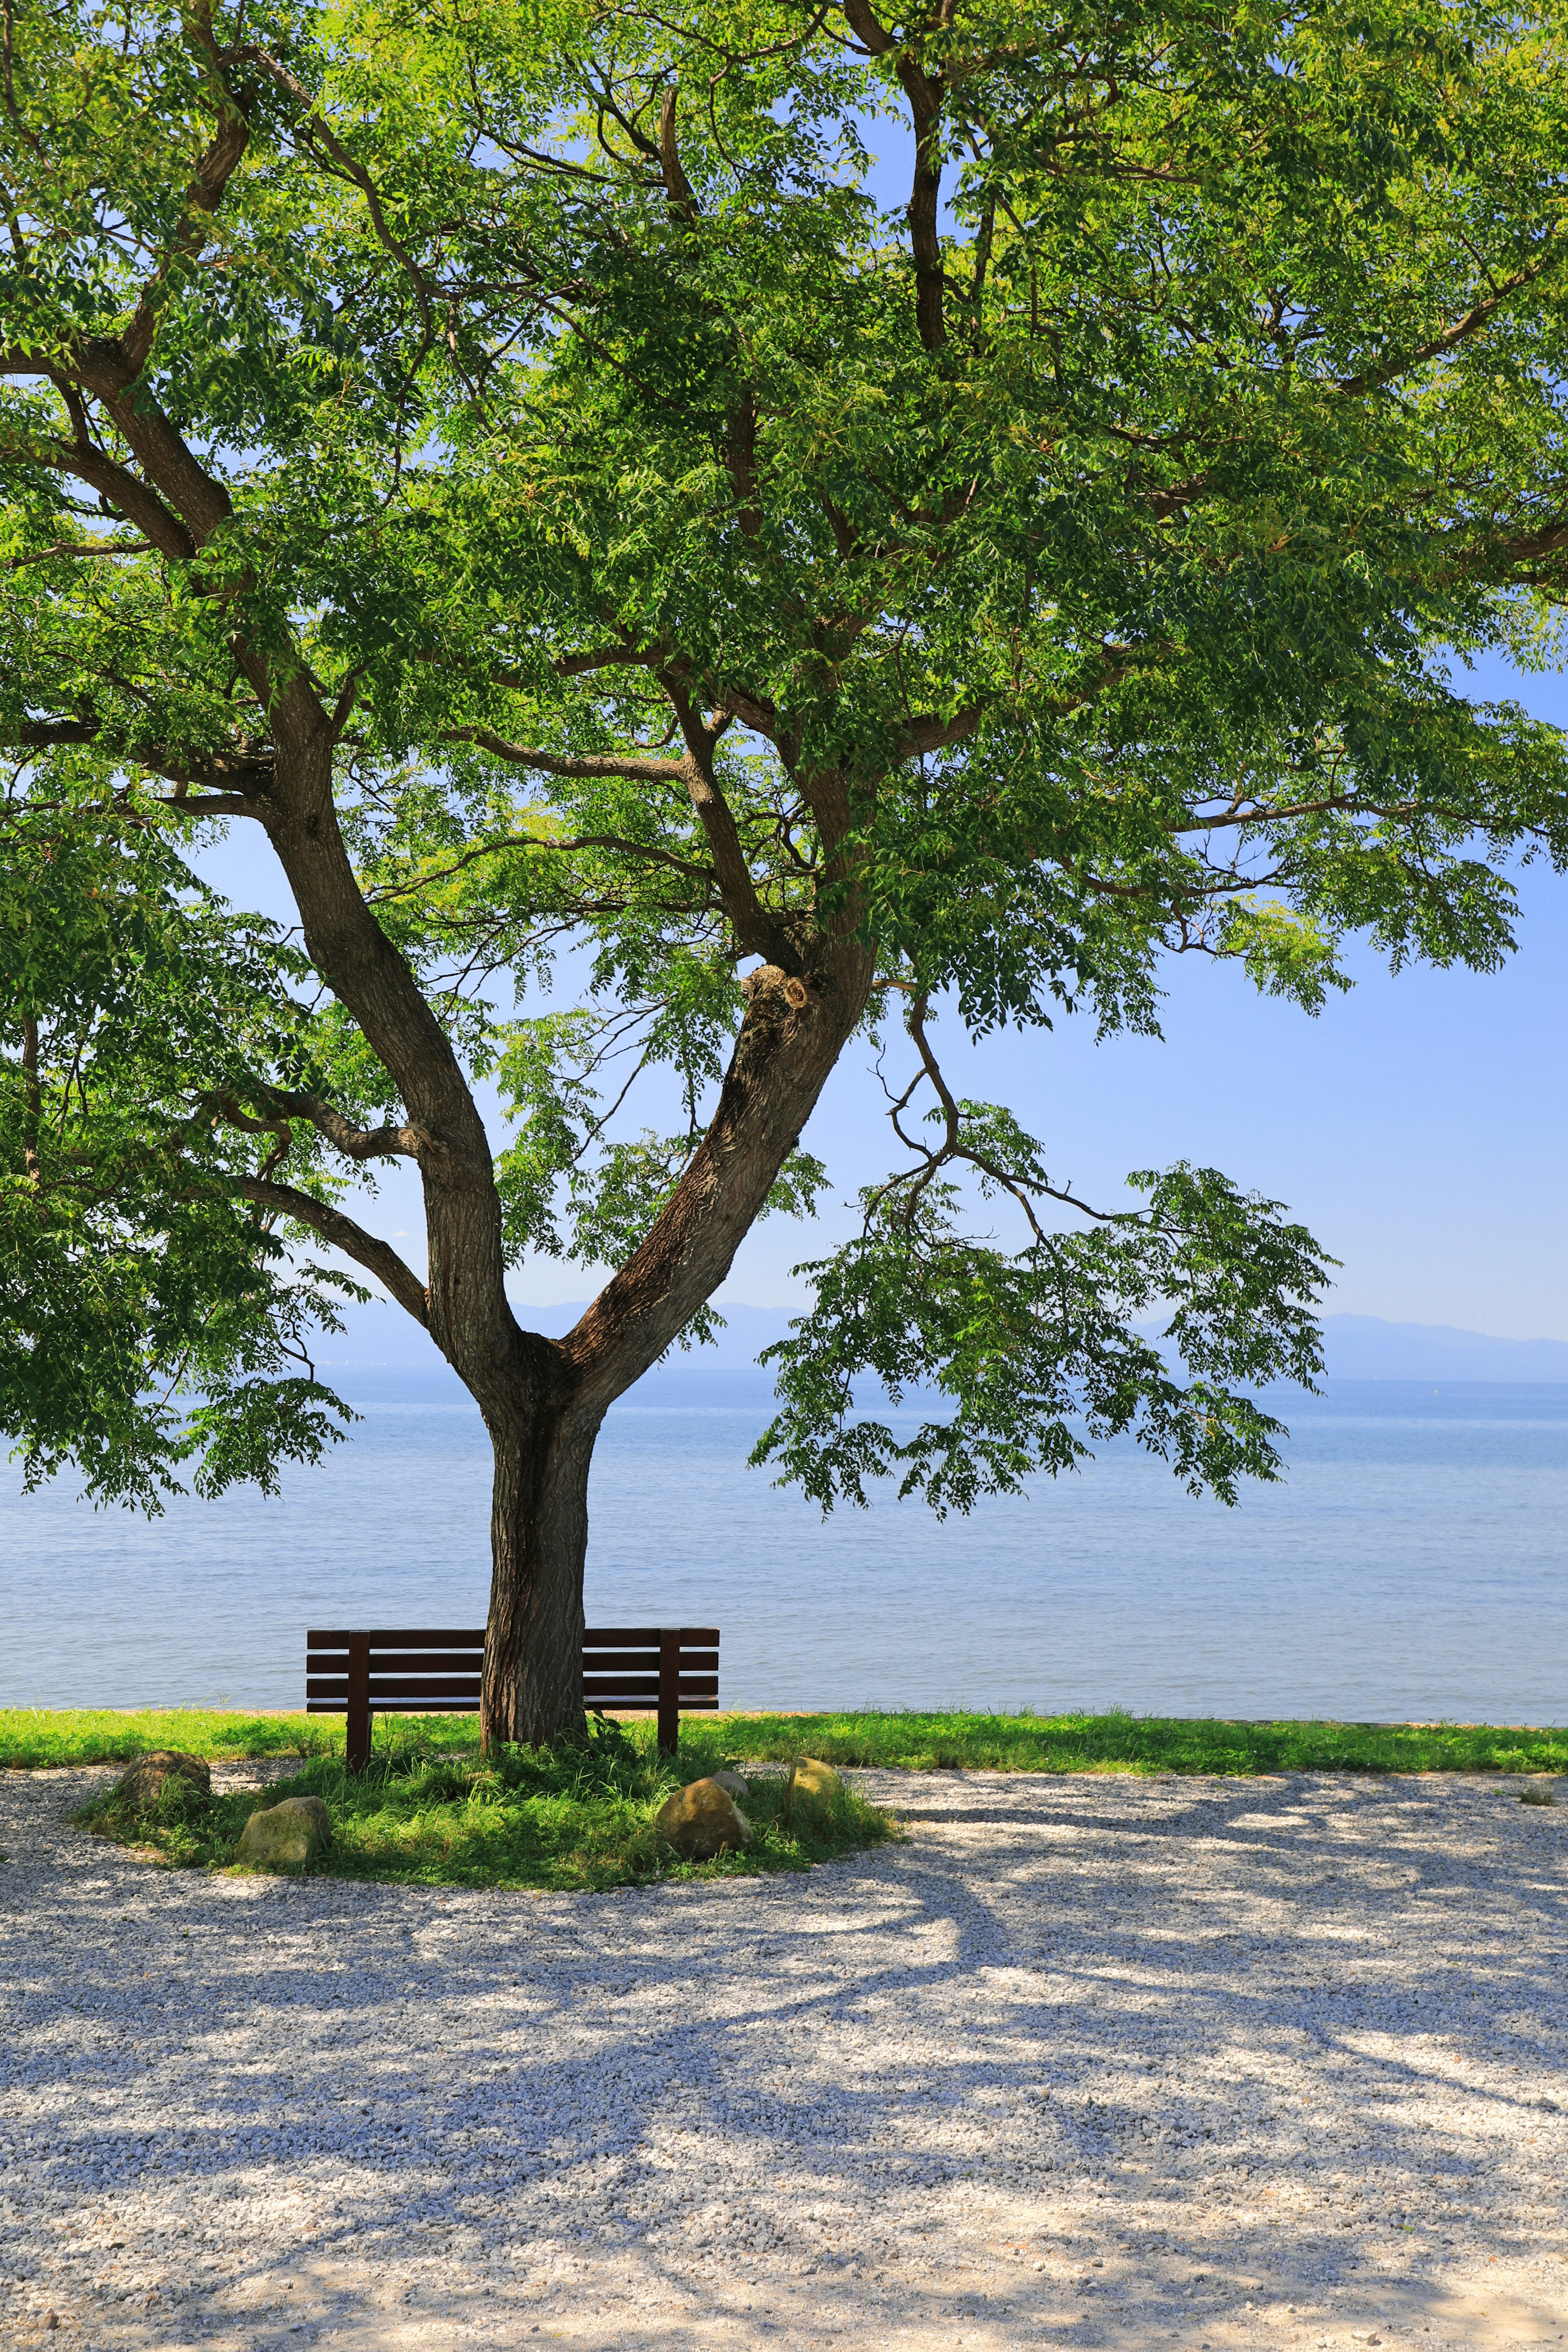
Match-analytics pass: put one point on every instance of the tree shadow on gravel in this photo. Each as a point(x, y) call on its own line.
point(647, 2075)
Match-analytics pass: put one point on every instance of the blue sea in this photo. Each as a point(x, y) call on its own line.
point(1413, 1564)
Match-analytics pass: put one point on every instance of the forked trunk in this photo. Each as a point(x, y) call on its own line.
point(543, 1427)
point(538, 1542)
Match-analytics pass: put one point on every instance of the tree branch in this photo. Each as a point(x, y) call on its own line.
point(759, 931)
point(933, 734)
point(677, 187)
point(601, 658)
point(214, 172)
point(354, 1142)
point(362, 181)
point(612, 841)
point(559, 763)
point(341, 1233)
point(924, 92)
point(131, 498)
point(1445, 339)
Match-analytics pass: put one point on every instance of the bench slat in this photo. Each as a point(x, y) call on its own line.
point(430, 1707)
point(645, 1637)
point(425, 1661)
point(401, 1637)
point(611, 1701)
point(387, 1689)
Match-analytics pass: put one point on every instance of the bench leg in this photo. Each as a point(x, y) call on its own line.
point(669, 1693)
point(358, 1744)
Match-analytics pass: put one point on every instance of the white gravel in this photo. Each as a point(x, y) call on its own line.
point(1092, 2061)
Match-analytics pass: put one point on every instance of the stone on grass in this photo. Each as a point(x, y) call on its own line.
point(812, 1784)
point(734, 1784)
point(141, 1787)
point(288, 1836)
point(702, 1820)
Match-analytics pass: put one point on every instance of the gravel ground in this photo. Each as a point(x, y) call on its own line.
point(1095, 2061)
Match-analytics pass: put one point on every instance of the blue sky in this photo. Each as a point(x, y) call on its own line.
point(1418, 1126)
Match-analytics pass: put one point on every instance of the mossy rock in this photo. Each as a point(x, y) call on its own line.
point(139, 1790)
point(288, 1836)
point(812, 1785)
point(703, 1821)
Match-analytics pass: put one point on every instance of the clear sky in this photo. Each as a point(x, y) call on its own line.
point(1418, 1126)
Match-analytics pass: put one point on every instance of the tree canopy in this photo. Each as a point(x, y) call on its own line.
point(523, 459)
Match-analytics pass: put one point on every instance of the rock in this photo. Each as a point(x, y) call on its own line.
point(141, 1787)
point(287, 1836)
point(812, 1783)
point(704, 1819)
point(733, 1784)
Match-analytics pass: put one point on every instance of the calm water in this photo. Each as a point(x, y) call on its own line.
point(1415, 1565)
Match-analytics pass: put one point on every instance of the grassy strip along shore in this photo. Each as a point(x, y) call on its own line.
point(432, 1811)
point(32, 1738)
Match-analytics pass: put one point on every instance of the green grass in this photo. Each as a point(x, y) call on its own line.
point(922, 1743)
point(426, 1814)
point(1141, 1743)
point(35, 1737)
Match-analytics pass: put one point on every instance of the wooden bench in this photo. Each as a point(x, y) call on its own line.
point(417, 1671)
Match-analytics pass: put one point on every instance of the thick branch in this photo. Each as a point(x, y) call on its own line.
point(788, 1042)
point(677, 187)
point(43, 736)
point(601, 658)
point(341, 1233)
point(925, 93)
point(124, 492)
point(353, 1143)
point(933, 734)
point(214, 172)
point(757, 931)
point(103, 368)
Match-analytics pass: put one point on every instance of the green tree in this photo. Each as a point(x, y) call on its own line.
point(510, 456)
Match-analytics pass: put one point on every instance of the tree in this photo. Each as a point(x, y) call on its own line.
point(515, 459)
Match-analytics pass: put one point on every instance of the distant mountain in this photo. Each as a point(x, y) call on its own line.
point(382, 1337)
point(1364, 1348)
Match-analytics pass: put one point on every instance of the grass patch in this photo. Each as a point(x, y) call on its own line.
point(424, 1816)
point(35, 1737)
point(1134, 1743)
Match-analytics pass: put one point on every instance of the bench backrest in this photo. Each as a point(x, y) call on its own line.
point(419, 1670)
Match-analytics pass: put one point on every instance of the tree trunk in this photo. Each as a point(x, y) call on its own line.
point(539, 1543)
point(544, 1421)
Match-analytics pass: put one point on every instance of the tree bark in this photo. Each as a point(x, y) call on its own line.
point(539, 1545)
